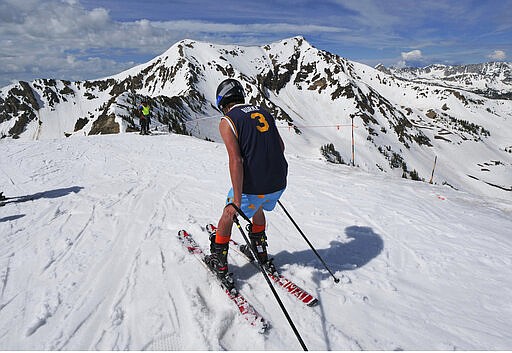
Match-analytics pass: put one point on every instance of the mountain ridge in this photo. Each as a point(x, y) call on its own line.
point(401, 124)
point(490, 79)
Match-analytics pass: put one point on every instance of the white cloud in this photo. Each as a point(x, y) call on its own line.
point(211, 27)
point(62, 39)
point(497, 55)
point(413, 55)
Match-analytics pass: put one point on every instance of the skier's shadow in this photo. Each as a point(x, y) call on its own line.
point(11, 218)
point(361, 245)
point(51, 194)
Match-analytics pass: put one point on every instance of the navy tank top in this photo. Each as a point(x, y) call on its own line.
point(265, 167)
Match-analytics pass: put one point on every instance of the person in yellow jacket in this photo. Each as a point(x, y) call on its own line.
point(144, 118)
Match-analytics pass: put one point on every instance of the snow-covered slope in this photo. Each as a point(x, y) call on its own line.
point(89, 257)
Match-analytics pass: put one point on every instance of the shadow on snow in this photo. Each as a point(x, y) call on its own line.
point(11, 218)
point(51, 194)
point(361, 246)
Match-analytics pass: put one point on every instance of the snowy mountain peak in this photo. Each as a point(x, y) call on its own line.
point(403, 118)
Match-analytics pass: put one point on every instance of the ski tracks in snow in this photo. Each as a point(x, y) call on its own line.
point(85, 243)
point(92, 262)
point(407, 266)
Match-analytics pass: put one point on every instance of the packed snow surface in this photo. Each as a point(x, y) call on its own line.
point(89, 258)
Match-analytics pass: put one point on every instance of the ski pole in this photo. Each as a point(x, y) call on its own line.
point(262, 270)
point(336, 280)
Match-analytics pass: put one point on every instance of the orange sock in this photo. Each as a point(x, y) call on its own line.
point(257, 228)
point(222, 239)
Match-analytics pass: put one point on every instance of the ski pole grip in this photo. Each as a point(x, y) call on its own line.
point(239, 211)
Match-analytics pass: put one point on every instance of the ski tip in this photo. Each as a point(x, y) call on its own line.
point(183, 233)
point(265, 327)
point(314, 302)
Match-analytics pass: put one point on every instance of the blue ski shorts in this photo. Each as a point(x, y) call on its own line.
point(251, 203)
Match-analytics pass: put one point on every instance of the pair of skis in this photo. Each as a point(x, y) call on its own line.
point(288, 285)
point(247, 310)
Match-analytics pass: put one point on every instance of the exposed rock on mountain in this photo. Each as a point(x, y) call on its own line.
point(402, 118)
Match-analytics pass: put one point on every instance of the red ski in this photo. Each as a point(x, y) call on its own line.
point(247, 311)
point(288, 285)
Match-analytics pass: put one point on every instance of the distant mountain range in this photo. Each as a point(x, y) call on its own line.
point(492, 80)
point(403, 118)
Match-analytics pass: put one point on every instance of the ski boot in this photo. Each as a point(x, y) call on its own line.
point(259, 244)
point(217, 261)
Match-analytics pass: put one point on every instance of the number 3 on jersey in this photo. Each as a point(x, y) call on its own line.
point(261, 119)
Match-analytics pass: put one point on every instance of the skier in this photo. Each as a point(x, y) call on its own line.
point(144, 118)
point(258, 171)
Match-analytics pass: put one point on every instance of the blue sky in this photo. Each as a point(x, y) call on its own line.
point(87, 39)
